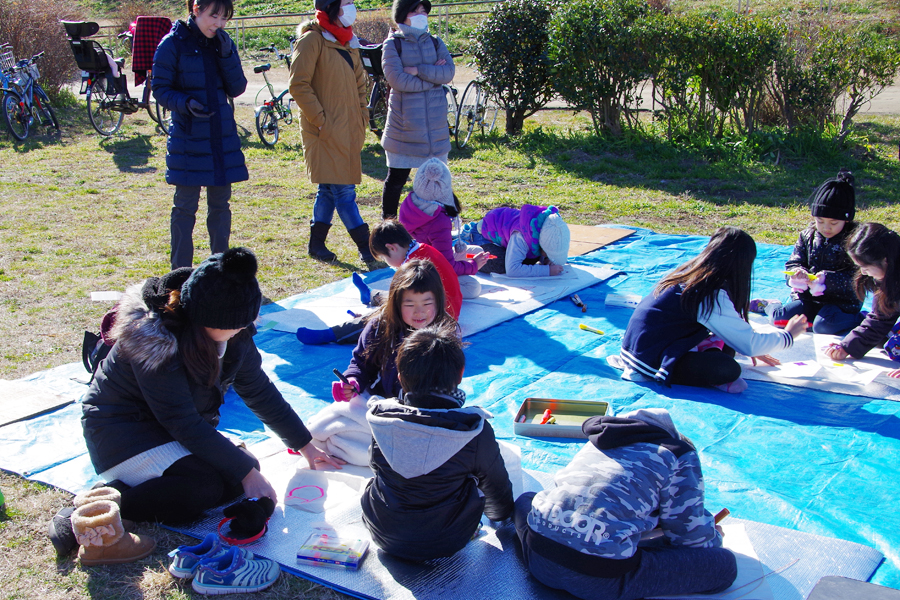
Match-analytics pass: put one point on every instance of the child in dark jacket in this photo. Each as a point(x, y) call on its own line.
point(415, 300)
point(437, 465)
point(822, 273)
point(636, 475)
point(875, 249)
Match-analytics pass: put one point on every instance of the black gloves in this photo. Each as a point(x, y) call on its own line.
point(223, 44)
point(249, 517)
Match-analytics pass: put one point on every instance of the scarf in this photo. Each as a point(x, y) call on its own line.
point(341, 33)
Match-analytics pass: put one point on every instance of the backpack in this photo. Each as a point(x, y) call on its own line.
point(399, 46)
point(95, 346)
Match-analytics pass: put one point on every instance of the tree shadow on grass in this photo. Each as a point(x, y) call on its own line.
point(130, 155)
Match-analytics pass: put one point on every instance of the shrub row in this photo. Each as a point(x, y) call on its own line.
point(728, 73)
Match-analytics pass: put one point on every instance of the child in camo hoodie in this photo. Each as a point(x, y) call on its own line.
point(636, 474)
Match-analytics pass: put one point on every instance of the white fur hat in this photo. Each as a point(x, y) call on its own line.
point(654, 416)
point(433, 182)
point(554, 239)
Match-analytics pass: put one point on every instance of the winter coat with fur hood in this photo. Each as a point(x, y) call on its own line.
point(417, 107)
point(329, 85)
point(430, 460)
point(142, 397)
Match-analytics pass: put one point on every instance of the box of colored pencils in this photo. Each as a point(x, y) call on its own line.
point(323, 550)
point(553, 417)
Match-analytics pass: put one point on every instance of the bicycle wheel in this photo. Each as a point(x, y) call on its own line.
point(469, 115)
point(46, 113)
point(491, 110)
point(105, 120)
point(452, 108)
point(378, 107)
point(163, 118)
point(14, 116)
point(267, 125)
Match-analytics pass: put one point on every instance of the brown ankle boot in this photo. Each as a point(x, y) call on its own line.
point(98, 528)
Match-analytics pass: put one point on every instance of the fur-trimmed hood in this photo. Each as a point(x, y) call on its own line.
point(140, 333)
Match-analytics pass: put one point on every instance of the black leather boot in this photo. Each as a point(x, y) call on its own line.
point(318, 232)
point(360, 237)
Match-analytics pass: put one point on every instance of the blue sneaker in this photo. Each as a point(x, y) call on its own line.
point(186, 559)
point(233, 573)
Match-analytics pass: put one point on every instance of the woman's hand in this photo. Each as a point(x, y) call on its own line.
point(316, 458)
point(796, 325)
point(767, 359)
point(837, 352)
point(411, 71)
point(257, 486)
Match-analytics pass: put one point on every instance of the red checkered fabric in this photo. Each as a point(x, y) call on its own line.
point(147, 34)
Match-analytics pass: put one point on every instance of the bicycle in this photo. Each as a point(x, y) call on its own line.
point(108, 100)
point(270, 112)
point(24, 101)
point(476, 109)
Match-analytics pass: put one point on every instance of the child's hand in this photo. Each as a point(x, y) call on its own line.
point(766, 359)
point(837, 352)
point(341, 392)
point(796, 325)
point(817, 287)
point(556, 269)
point(481, 259)
point(799, 281)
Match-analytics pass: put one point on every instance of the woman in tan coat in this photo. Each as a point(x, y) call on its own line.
point(329, 85)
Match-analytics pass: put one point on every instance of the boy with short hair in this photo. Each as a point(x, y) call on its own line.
point(392, 243)
point(437, 465)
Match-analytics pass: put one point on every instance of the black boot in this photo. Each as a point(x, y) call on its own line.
point(360, 237)
point(318, 232)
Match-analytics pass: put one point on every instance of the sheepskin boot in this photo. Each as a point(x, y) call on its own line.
point(60, 528)
point(98, 529)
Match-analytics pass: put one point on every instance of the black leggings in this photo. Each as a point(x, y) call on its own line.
point(705, 369)
point(393, 188)
point(186, 489)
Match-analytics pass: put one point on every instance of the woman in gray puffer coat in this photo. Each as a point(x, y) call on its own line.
point(416, 65)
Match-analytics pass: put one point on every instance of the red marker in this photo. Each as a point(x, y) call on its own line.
point(490, 256)
point(546, 416)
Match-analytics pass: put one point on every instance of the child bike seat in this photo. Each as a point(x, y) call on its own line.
point(262, 68)
point(79, 29)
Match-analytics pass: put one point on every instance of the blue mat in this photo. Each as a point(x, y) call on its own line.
point(812, 461)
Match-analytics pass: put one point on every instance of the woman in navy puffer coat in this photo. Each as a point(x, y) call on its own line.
point(195, 69)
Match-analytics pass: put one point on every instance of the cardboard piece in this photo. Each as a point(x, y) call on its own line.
point(587, 238)
point(21, 400)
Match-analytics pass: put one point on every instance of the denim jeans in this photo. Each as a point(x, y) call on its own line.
point(666, 571)
point(184, 214)
point(825, 318)
point(335, 196)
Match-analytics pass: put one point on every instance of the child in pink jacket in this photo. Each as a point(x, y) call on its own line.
point(428, 213)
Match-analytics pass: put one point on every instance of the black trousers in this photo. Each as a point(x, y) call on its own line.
point(393, 188)
point(184, 491)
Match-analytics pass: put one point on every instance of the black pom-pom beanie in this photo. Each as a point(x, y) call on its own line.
point(222, 292)
point(835, 199)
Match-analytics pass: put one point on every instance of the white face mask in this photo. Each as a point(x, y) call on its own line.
point(349, 17)
point(418, 21)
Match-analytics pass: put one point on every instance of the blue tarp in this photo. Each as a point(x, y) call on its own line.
point(798, 458)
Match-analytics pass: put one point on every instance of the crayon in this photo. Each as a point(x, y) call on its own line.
point(490, 256)
point(546, 416)
point(589, 328)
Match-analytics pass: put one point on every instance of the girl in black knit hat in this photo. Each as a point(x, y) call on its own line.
point(819, 271)
point(150, 414)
